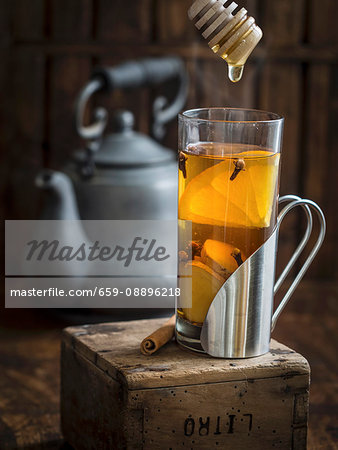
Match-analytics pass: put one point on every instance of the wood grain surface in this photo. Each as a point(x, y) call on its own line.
point(177, 399)
point(29, 367)
point(114, 349)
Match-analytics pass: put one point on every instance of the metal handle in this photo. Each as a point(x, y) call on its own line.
point(301, 246)
point(133, 74)
point(306, 205)
point(144, 72)
point(94, 131)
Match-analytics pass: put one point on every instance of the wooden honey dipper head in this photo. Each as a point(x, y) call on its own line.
point(231, 35)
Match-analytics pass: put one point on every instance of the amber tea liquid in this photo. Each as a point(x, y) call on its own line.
point(229, 193)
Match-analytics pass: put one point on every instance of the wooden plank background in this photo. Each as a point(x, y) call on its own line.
point(48, 49)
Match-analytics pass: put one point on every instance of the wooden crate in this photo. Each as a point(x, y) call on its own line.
point(113, 397)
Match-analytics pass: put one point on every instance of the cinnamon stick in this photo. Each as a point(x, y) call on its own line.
point(159, 337)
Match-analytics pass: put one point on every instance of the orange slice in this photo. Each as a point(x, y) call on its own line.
point(203, 286)
point(219, 257)
point(247, 201)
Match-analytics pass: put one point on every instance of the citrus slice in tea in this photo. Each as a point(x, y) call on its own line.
point(203, 284)
point(221, 257)
point(222, 195)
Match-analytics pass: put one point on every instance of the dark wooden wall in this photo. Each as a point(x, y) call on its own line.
point(48, 49)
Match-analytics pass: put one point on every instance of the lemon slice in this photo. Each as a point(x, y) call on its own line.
point(247, 201)
point(204, 285)
point(219, 257)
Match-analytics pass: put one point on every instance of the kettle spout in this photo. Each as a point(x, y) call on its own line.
point(60, 205)
point(60, 201)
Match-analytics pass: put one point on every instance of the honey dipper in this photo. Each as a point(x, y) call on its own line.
point(231, 35)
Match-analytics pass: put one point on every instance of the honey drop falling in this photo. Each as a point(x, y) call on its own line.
point(235, 73)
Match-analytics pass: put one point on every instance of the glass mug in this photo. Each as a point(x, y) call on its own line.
point(229, 169)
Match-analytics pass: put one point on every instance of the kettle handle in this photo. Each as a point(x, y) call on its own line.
point(133, 74)
point(94, 131)
point(307, 205)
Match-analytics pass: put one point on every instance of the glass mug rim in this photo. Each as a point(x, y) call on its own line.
point(189, 115)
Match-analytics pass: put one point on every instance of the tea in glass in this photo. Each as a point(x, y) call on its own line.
point(228, 191)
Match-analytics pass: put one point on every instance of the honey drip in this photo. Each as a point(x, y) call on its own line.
point(232, 34)
point(235, 73)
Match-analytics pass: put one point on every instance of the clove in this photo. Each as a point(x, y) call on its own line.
point(239, 165)
point(194, 248)
point(182, 164)
point(237, 255)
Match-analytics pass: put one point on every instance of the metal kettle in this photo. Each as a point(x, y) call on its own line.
point(123, 175)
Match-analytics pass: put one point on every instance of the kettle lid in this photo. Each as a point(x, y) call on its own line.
point(127, 148)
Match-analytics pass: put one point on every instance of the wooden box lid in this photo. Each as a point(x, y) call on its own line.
point(115, 349)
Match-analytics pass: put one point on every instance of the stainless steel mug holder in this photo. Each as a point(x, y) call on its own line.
point(240, 318)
